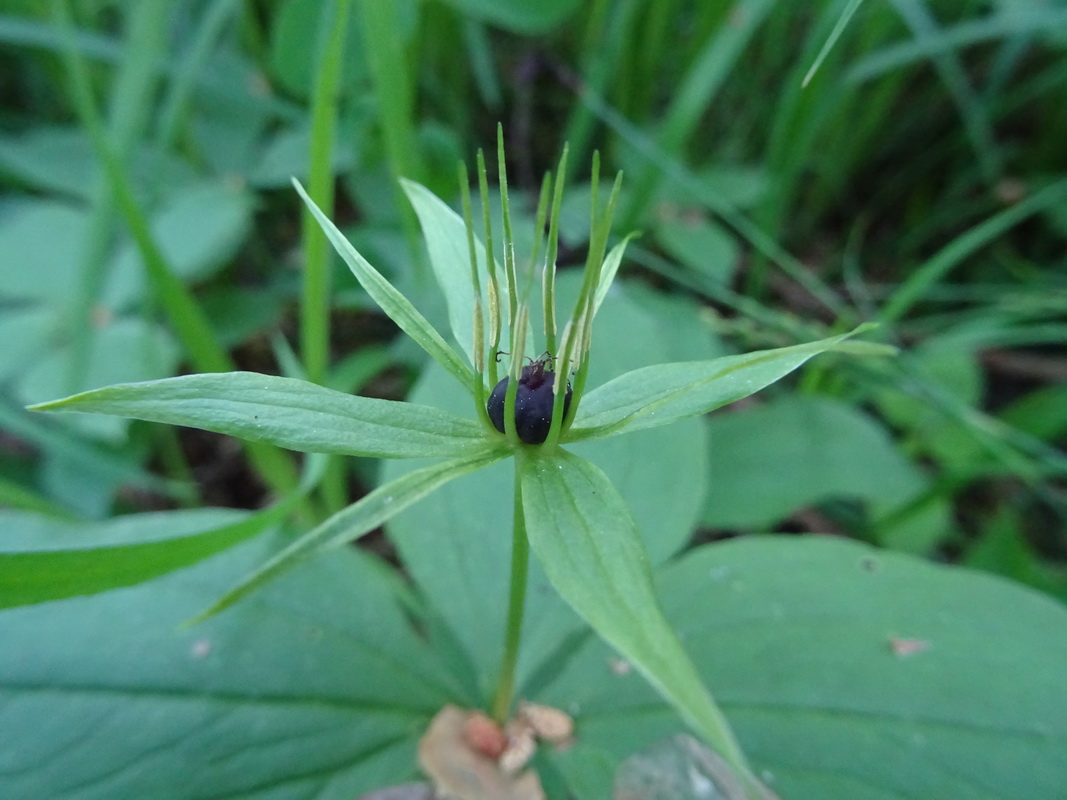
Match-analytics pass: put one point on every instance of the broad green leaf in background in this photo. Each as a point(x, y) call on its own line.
point(849, 673)
point(294, 31)
point(315, 687)
point(664, 393)
point(702, 245)
point(71, 462)
point(51, 159)
point(289, 413)
point(286, 154)
point(771, 460)
point(41, 241)
point(27, 334)
point(62, 160)
point(586, 541)
point(219, 212)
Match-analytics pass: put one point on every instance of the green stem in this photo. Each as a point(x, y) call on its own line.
point(176, 466)
point(385, 44)
point(520, 562)
point(315, 299)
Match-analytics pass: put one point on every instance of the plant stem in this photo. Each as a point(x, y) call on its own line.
point(315, 298)
point(520, 561)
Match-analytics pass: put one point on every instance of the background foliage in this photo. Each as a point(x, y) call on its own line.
point(148, 229)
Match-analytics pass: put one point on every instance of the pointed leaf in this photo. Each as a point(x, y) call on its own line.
point(49, 559)
point(446, 240)
point(586, 541)
point(37, 576)
point(286, 412)
point(661, 394)
point(609, 270)
point(390, 300)
point(358, 519)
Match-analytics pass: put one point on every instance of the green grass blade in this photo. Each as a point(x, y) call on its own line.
point(390, 300)
point(954, 253)
point(697, 92)
point(384, 40)
point(831, 40)
point(975, 118)
point(681, 176)
point(1034, 21)
point(286, 412)
point(315, 303)
point(360, 518)
point(315, 297)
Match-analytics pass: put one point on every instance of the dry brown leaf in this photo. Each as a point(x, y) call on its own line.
point(461, 771)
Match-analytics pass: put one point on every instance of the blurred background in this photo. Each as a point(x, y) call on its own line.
point(918, 178)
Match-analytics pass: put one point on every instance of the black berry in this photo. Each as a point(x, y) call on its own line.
point(533, 403)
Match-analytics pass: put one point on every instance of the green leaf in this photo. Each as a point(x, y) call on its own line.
point(286, 412)
point(314, 688)
point(51, 559)
point(452, 545)
point(360, 518)
point(586, 541)
point(51, 159)
point(702, 245)
point(850, 673)
point(446, 241)
point(770, 460)
point(42, 242)
point(664, 393)
point(220, 214)
point(609, 270)
point(391, 301)
point(27, 333)
point(36, 576)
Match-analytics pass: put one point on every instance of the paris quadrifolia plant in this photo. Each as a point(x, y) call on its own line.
point(526, 377)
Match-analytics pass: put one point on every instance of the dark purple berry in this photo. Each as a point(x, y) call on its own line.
point(533, 403)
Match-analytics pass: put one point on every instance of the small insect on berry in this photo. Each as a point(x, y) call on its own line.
point(533, 402)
